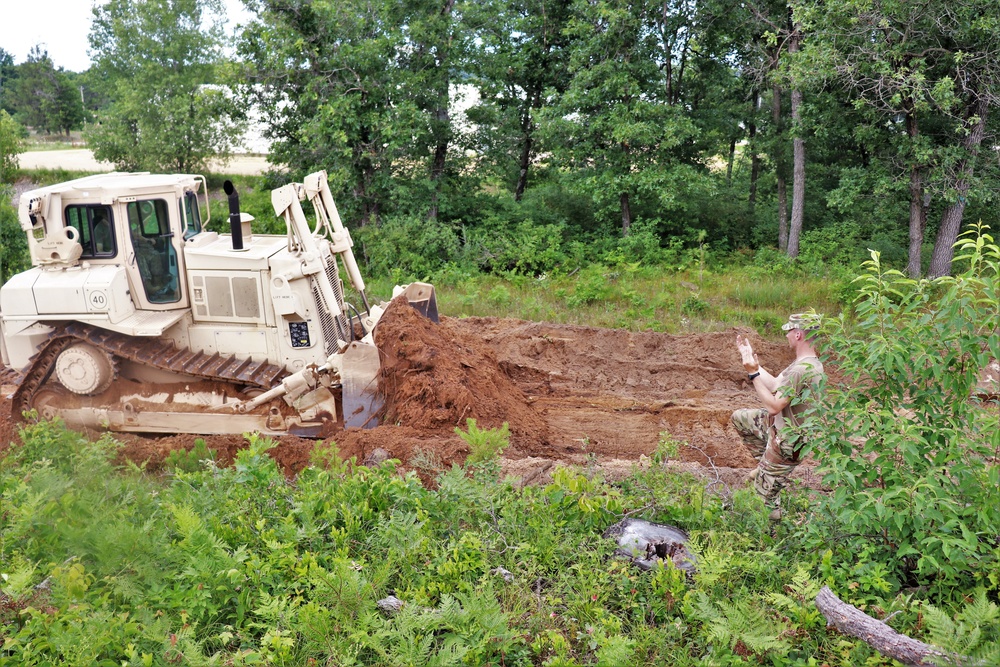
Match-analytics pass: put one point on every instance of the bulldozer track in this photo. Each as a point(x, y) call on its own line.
point(151, 352)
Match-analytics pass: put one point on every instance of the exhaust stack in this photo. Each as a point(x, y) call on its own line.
point(235, 223)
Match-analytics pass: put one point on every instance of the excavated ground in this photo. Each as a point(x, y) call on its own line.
point(570, 394)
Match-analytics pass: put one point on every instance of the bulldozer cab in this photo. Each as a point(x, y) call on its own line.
point(155, 257)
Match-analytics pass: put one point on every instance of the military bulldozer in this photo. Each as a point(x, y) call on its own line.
point(135, 317)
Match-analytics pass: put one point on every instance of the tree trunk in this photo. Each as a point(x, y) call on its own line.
point(754, 157)
point(798, 161)
point(918, 221)
point(918, 214)
point(951, 221)
point(626, 213)
point(779, 169)
point(441, 122)
point(852, 621)
point(440, 153)
point(522, 174)
point(362, 192)
point(729, 163)
point(527, 140)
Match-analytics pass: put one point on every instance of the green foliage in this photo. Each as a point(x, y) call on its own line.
point(908, 449)
point(14, 256)
point(42, 97)
point(484, 444)
point(973, 636)
point(189, 460)
point(667, 449)
point(740, 623)
point(101, 564)
point(170, 53)
point(407, 247)
point(11, 145)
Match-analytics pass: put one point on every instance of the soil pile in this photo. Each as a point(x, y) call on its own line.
point(435, 377)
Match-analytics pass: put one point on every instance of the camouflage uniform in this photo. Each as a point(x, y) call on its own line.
point(776, 453)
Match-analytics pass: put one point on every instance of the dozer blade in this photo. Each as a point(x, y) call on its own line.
point(421, 297)
point(359, 386)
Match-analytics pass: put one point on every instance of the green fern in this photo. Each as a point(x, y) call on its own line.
point(799, 603)
point(742, 621)
point(972, 637)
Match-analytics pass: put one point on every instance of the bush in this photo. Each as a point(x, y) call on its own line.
point(11, 145)
point(484, 444)
point(407, 247)
point(908, 450)
point(14, 256)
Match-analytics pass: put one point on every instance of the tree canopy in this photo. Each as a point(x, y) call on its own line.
point(160, 63)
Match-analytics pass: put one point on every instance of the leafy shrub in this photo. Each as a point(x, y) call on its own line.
point(14, 256)
point(11, 145)
point(906, 447)
point(524, 248)
point(693, 305)
point(592, 287)
point(407, 247)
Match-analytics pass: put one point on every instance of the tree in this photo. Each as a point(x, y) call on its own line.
point(973, 31)
point(8, 72)
point(361, 89)
point(624, 122)
point(775, 45)
point(519, 65)
point(159, 61)
point(42, 96)
point(926, 75)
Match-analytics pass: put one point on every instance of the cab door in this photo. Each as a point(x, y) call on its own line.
point(153, 257)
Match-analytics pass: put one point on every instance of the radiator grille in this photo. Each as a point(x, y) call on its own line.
point(333, 274)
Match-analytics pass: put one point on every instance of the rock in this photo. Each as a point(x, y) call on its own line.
point(501, 572)
point(390, 606)
point(376, 457)
point(646, 543)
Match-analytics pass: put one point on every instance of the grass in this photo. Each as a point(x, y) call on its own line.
point(643, 299)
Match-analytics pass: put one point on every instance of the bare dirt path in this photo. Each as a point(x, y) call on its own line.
point(82, 159)
point(572, 395)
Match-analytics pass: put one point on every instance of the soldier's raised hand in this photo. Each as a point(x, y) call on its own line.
point(747, 354)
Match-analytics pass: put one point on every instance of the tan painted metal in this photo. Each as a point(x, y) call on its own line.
point(151, 323)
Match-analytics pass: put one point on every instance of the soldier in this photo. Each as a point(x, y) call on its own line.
point(767, 431)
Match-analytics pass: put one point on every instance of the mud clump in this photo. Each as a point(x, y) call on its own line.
point(433, 378)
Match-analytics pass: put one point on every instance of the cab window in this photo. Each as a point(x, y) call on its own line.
point(94, 225)
point(192, 214)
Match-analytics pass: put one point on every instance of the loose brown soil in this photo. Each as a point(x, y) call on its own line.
point(570, 394)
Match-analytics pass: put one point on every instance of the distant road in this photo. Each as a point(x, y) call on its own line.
point(81, 159)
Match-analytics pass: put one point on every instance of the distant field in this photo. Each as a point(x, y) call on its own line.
point(81, 159)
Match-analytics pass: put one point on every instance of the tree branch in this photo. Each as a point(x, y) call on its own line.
point(852, 621)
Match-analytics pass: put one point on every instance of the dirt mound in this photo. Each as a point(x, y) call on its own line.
point(435, 377)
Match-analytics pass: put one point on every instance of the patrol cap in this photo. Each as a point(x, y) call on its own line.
point(804, 321)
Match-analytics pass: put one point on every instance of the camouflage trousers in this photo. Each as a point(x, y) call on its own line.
point(775, 459)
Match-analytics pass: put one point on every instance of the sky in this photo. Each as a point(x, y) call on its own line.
point(61, 26)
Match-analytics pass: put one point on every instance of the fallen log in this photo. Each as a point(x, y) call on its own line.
point(852, 621)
